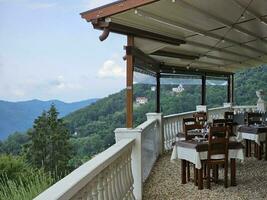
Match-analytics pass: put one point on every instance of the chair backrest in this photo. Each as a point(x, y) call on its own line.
point(229, 116)
point(218, 142)
point(219, 122)
point(189, 128)
point(253, 118)
point(188, 121)
point(201, 117)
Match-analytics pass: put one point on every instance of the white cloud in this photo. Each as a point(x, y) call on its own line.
point(111, 69)
point(96, 3)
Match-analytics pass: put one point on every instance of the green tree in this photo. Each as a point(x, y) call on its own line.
point(50, 147)
point(14, 143)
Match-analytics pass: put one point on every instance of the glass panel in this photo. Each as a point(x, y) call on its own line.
point(180, 93)
point(144, 90)
point(216, 91)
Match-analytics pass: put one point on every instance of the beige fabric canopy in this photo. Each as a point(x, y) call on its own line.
point(215, 35)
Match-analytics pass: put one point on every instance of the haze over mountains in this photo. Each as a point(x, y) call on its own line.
point(19, 116)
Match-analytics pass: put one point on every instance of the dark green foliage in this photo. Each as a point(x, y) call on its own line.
point(14, 143)
point(49, 147)
point(247, 83)
point(104, 116)
point(216, 96)
point(13, 166)
point(19, 180)
point(187, 100)
point(95, 124)
point(1, 147)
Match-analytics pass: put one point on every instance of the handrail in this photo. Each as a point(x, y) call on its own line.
point(146, 124)
point(69, 186)
point(179, 114)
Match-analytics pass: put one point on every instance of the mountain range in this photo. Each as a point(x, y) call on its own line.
point(19, 116)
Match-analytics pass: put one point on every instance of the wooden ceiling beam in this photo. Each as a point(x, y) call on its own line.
point(114, 8)
point(127, 30)
point(150, 62)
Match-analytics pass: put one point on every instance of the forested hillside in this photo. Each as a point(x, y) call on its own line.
point(92, 127)
point(19, 116)
point(96, 123)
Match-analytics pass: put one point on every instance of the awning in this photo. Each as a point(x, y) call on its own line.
point(191, 35)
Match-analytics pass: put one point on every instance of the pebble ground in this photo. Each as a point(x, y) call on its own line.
point(164, 183)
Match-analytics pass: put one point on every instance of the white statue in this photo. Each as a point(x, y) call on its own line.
point(261, 105)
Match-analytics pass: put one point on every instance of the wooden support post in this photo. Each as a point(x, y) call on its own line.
point(203, 90)
point(129, 85)
point(232, 89)
point(158, 93)
point(229, 90)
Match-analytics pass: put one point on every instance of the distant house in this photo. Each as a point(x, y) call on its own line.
point(153, 88)
point(141, 100)
point(75, 133)
point(178, 89)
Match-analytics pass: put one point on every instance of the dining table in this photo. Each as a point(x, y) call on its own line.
point(256, 133)
point(196, 150)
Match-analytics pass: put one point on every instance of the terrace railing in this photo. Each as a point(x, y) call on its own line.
point(120, 171)
point(106, 176)
point(148, 146)
point(173, 124)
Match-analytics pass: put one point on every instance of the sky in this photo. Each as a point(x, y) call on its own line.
point(47, 51)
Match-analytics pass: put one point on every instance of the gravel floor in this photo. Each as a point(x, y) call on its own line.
point(164, 183)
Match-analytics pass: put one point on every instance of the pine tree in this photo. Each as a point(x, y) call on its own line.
point(50, 147)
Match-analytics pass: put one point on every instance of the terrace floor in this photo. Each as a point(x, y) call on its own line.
point(164, 182)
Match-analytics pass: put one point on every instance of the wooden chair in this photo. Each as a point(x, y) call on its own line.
point(219, 123)
point(229, 116)
point(189, 128)
point(188, 136)
point(253, 118)
point(188, 121)
point(201, 117)
point(217, 152)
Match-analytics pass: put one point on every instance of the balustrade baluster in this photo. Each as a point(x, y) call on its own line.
point(113, 181)
point(105, 185)
point(94, 190)
point(100, 187)
point(109, 183)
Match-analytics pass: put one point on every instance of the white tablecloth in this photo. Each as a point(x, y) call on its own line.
point(195, 157)
point(258, 138)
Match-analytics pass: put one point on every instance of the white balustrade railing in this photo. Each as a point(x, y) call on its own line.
point(217, 113)
point(120, 171)
point(148, 146)
point(105, 177)
point(243, 109)
point(173, 124)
